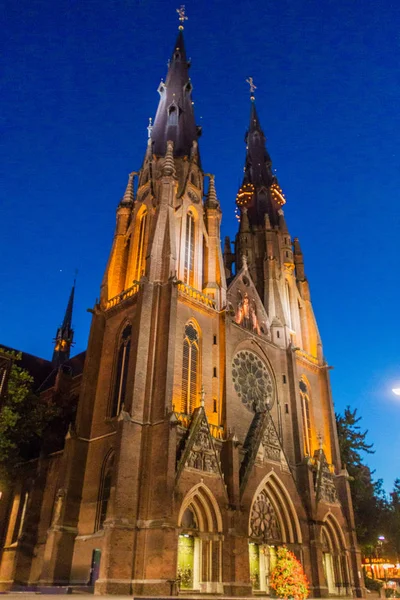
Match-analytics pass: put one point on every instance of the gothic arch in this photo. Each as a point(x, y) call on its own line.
point(333, 532)
point(272, 491)
point(120, 368)
point(306, 414)
point(205, 507)
point(104, 488)
point(191, 366)
point(335, 555)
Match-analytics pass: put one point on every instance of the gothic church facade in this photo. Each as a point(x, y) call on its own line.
point(205, 432)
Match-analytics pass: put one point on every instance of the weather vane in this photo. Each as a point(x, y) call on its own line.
point(182, 16)
point(250, 81)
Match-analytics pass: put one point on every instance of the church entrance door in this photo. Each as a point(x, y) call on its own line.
point(262, 560)
point(189, 561)
point(329, 572)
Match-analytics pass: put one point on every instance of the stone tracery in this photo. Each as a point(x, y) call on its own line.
point(252, 381)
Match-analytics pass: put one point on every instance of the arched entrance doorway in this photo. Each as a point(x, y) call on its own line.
point(273, 522)
point(334, 557)
point(199, 561)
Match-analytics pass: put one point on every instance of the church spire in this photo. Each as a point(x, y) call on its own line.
point(65, 334)
point(174, 119)
point(260, 192)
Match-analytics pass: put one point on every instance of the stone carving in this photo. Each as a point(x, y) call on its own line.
point(270, 441)
point(202, 454)
point(246, 314)
point(263, 522)
point(193, 196)
point(325, 488)
point(252, 381)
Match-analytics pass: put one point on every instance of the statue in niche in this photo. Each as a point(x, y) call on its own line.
point(246, 314)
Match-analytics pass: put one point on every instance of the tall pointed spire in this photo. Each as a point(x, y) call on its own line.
point(174, 119)
point(260, 192)
point(65, 334)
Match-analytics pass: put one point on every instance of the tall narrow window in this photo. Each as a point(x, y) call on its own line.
point(19, 521)
point(105, 490)
point(288, 306)
point(305, 410)
point(190, 369)
point(173, 115)
point(121, 371)
point(140, 265)
point(189, 249)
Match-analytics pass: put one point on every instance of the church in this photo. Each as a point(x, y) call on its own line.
point(204, 436)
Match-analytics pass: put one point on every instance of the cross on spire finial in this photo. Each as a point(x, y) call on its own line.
point(182, 16)
point(250, 81)
point(149, 127)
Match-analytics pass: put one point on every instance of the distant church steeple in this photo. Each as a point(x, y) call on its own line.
point(174, 119)
point(65, 334)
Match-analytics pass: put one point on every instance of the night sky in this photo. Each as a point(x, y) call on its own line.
point(80, 84)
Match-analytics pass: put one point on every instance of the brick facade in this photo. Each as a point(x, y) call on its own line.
point(146, 491)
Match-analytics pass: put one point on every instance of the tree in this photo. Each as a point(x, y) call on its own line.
point(369, 500)
point(394, 518)
point(288, 579)
point(23, 418)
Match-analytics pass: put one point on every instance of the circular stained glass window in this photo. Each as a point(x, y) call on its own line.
point(252, 381)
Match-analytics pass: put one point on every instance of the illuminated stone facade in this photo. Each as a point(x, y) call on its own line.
point(205, 434)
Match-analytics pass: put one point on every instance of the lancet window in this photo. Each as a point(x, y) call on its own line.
point(140, 265)
point(189, 249)
point(288, 304)
point(190, 369)
point(305, 410)
point(105, 490)
point(121, 371)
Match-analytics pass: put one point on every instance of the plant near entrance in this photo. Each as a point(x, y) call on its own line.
point(288, 579)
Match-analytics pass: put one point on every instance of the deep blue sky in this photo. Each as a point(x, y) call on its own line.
point(80, 83)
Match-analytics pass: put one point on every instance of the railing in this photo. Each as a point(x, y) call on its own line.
point(122, 296)
point(217, 431)
point(307, 356)
point(188, 291)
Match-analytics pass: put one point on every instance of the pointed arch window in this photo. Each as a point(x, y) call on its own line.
point(173, 115)
point(190, 369)
point(105, 490)
point(121, 373)
point(288, 304)
point(140, 265)
point(305, 410)
point(189, 249)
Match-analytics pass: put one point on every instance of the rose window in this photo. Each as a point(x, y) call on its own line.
point(252, 381)
point(263, 521)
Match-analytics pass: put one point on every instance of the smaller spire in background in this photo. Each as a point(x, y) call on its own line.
point(65, 334)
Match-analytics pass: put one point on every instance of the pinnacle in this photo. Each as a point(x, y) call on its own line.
point(212, 200)
point(128, 197)
point(168, 167)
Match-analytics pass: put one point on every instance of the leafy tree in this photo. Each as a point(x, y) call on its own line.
point(288, 579)
point(23, 418)
point(394, 518)
point(369, 500)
